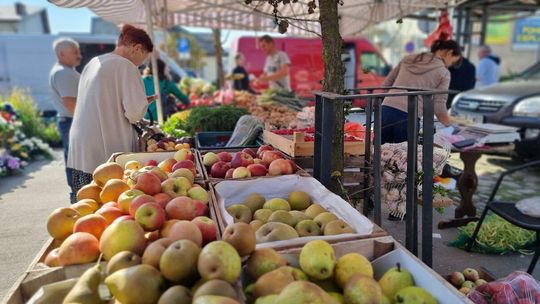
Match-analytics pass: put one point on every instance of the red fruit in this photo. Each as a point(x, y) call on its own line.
point(224, 156)
point(151, 163)
point(293, 165)
point(241, 159)
point(250, 152)
point(188, 164)
point(262, 149)
point(229, 173)
point(219, 169)
point(257, 170)
point(202, 208)
point(139, 201)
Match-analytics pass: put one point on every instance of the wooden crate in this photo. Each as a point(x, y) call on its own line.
point(294, 145)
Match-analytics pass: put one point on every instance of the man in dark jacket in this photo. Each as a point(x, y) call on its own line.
point(462, 78)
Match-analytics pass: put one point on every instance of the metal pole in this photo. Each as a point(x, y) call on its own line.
point(427, 183)
point(484, 25)
point(411, 231)
point(459, 26)
point(155, 76)
point(367, 154)
point(377, 161)
point(318, 131)
point(468, 29)
point(326, 141)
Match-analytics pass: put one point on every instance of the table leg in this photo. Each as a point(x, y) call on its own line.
point(467, 184)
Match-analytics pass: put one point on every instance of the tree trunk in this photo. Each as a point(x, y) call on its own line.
point(219, 56)
point(333, 81)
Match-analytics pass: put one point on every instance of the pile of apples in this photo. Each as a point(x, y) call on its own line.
point(248, 163)
point(467, 280)
point(126, 208)
point(166, 144)
point(279, 219)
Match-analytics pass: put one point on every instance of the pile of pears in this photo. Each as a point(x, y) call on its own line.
point(323, 279)
point(279, 219)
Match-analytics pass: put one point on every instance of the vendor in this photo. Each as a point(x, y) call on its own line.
point(166, 89)
point(276, 66)
point(110, 99)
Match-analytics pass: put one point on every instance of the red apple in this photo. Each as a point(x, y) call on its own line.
point(229, 173)
point(250, 152)
point(162, 199)
point(258, 161)
point(110, 213)
point(139, 201)
point(147, 183)
point(110, 204)
point(185, 230)
point(181, 208)
point(190, 157)
point(219, 169)
point(257, 170)
point(269, 156)
point(293, 165)
point(167, 165)
point(241, 159)
point(225, 156)
point(207, 227)
point(151, 162)
point(262, 149)
point(280, 167)
point(151, 216)
point(210, 158)
point(188, 164)
point(124, 218)
point(241, 172)
point(202, 208)
point(182, 154)
point(125, 199)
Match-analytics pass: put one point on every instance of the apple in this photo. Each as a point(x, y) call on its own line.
point(219, 169)
point(201, 208)
point(167, 165)
point(293, 165)
point(198, 193)
point(125, 199)
point(176, 186)
point(78, 248)
point(154, 251)
point(269, 156)
point(122, 236)
point(112, 190)
point(164, 231)
point(185, 230)
point(139, 201)
point(151, 162)
point(162, 175)
point(107, 171)
point(241, 172)
point(162, 199)
point(181, 208)
point(262, 149)
point(229, 173)
point(110, 204)
point(181, 155)
point(207, 227)
point(257, 170)
point(61, 221)
point(210, 158)
point(188, 164)
point(126, 217)
point(241, 159)
point(280, 167)
point(83, 208)
point(225, 157)
point(94, 224)
point(250, 152)
point(110, 213)
point(133, 165)
point(148, 183)
point(151, 216)
point(258, 161)
point(183, 172)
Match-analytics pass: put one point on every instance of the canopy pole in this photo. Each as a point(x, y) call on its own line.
point(153, 58)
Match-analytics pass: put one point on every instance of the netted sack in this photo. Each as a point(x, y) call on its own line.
point(517, 287)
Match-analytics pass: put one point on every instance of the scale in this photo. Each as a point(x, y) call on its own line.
point(488, 133)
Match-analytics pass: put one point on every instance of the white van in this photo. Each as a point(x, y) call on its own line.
point(25, 62)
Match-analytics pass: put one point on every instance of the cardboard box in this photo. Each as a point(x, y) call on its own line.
point(234, 191)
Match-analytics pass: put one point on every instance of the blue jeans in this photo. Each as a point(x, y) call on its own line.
point(394, 125)
point(64, 124)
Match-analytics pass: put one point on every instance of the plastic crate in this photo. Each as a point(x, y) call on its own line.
point(218, 140)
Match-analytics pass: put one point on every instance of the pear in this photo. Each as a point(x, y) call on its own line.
point(282, 216)
point(324, 218)
point(214, 300)
point(327, 285)
point(219, 260)
point(179, 261)
point(275, 231)
point(276, 280)
point(177, 294)
point(350, 264)
point(138, 284)
point(216, 288)
point(262, 261)
point(314, 210)
point(414, 295)
point(385, 300)
point(299, 200)
point(269, 299)
point(304, 292)
point(262, 215)
point(121, 260)
point(317, 260)
point(254, 201)
point(395, 279)
point(361, 289)
point(299, 216)
point(85, 290)
point(338, 297)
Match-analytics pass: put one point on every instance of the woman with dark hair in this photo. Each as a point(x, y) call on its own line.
point(166, 89)
point(424, 71)
point(110, 99)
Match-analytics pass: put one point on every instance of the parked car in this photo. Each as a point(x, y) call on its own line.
point(513, 103)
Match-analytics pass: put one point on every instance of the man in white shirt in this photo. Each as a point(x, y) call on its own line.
point(276, 66)
point(64, 81)
point(487, 70)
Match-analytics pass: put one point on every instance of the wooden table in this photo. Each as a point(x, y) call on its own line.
point(468, 182)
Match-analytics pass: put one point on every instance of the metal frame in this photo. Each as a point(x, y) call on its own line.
point(322, 170)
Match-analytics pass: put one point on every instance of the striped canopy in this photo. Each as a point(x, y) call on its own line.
point(355, 15)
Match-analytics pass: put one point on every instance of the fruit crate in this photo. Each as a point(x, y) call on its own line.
point(295, 145)
point(384, 253)
point(218, 140)
point(229, 192)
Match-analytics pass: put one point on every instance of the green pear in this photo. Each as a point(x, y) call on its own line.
point(349, 265)
point(269, 299)
point(121, 260)
point(327, 285)
point(299, 216)
point(314, 210)
point(324, 218)
point(414, 295)
point(275, 231)
point(282, 216)
point(299, 200)
point(85, 290)
point(276, 280)
point(262, 261)
point(304, 292)
point(308, 228)
point(219, 260)
point(254, 201)
point(262, 215)
point(216, 288)
point(361, 289)
point(240, 213)
point(177, 294)
point(185, 251)
point(338, 297)
point(317, 259)
point(395, 279)
point(385, 300)
point(214, 300)
point(275, 204)
point(139, 284)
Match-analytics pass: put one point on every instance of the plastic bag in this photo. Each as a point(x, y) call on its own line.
point(246, 131)
point(529, 206)
point(517, 288)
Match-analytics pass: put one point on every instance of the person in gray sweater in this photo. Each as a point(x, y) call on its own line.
point(425, 71)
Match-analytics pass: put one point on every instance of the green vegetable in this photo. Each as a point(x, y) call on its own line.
point(174, 127)
point(222, 118)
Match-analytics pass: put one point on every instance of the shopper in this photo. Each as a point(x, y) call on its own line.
point(488, 70)
point(276, 66)
point(111, 98)
point(462, 78)
point(168, 90)
point(64, 81)
point(425, 71)
point(240, 75)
